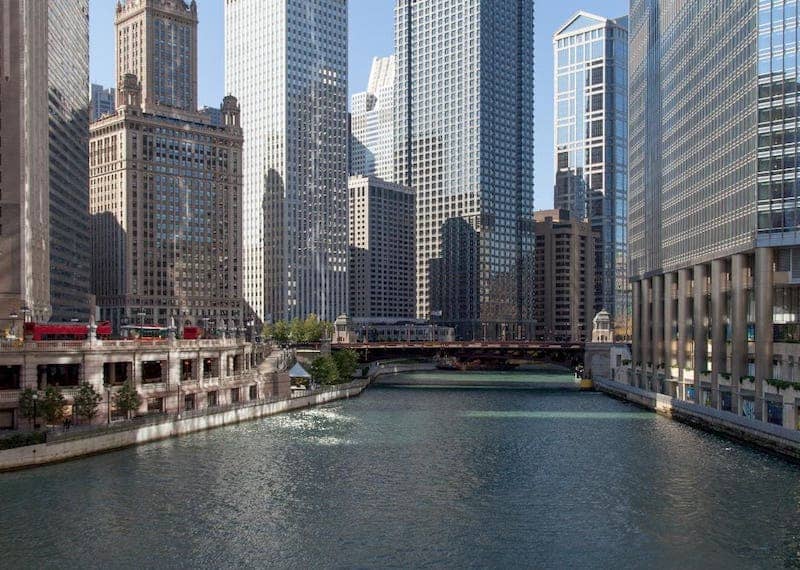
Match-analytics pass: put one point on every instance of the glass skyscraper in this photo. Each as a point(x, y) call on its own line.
point(591, 146)
point(464, 144)
point(286, 61)
point(714, 226)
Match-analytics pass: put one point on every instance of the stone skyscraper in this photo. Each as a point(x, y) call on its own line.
point(24, 155)
point(591, 146)
point(286, 60)
point(372, 123)
point(714, 224)
point(464, 144)
point(165, 183)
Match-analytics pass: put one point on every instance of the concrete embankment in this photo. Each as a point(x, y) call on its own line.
point(774, 438)
point(118, 437)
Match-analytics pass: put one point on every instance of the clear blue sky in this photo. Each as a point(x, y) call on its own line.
point(371, 34)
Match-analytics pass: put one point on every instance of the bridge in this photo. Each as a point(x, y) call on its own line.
point(473, 353)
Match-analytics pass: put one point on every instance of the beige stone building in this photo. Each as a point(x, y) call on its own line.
point(24, 155)
point(166, 184)
point(565, 276)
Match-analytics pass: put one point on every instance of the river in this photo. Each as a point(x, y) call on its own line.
point(413, 478)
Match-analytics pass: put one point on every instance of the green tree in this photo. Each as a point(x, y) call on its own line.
point(280, 332)
point(346, 362)
point(86, 402)
point(53, 405)
point(324, 371)
point(328, 330)
point(268, 331)
point(297, 331)
point(127, 400)
point(313, 328)
point(26, 407)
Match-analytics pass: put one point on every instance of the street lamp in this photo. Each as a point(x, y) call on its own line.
point(35, 399)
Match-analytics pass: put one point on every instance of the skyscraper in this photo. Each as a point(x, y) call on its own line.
point(464, 144)
point(286, 60)
point(24, 155)
point(591, 146)
point(166, 197)
point(68, 99)
point(104, 101)
point(372, 123)
point(714, 222)
point(381, 264)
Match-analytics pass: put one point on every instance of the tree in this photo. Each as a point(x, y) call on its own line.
point(86, 402)
point(328, 330)
point(324, 371)
point(313, 328)
point(127, 400)
point(26, 406)
point(346, 362)
point(268, 331)
point(280, 332)
point(297, 331)
point(53, 405)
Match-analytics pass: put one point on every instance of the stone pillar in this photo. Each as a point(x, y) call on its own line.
point(683, 321)
point(658, 329)
point(646, 331)
point(700, 324)
point(636, 341)
point(669, 322)
point(719, 357)
point(764, 290)
point(738, 312)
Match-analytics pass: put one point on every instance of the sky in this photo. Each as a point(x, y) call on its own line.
point(371, 35)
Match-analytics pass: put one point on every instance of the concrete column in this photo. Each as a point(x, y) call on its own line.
point(636, 342)
point(683, 322)
point(738, 311)
point(658, 326)
point(718, 346)
point(764, 290)
point(646, 329)
point(669, 321)
point(700, 320)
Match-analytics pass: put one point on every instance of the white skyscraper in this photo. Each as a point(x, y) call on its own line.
point(286, 61)
point(372, 123)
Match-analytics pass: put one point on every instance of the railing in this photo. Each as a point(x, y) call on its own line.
point(133, 344)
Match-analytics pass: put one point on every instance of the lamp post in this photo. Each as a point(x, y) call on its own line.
point(35, 399)
point(141, 315)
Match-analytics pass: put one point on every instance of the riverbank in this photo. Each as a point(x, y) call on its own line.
point(774, 438)
point(118, 437)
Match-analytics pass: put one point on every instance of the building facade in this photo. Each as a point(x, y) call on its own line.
point(591, 146)
point(381, 262)
point(565, 276)
point(464, 143)
point(24, 154)
point(372, 123)
point(103, 102)
point(713, 225)
point(68, 100)
point(166, 204)
point(287, 62)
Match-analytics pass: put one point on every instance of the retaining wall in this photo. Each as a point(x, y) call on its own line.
point(772, 437)
point(33, 455)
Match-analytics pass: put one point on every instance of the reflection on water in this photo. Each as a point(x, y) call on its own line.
point(416, 478)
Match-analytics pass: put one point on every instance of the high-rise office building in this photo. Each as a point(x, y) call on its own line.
point(715, 253)
point(591, 146)
point(104, 102)
point(24, 155)
point(286, 60)
point(372, 123)
point(166, 197)
point(464, 144)
point(565, 276)
point(381, 263)
point(157, 42)
point(68, 99)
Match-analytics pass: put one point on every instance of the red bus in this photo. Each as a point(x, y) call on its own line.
point(64, 331)
point(192, 333)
